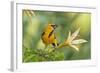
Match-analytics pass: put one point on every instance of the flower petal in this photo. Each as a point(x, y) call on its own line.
point(69, 35)
point(74, 35)
point(75, 47)
point(79, 41)
point(67, 41)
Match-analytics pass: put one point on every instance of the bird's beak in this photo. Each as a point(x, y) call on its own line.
point(54, 26)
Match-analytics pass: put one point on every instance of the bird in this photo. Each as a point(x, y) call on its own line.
point(48, 35)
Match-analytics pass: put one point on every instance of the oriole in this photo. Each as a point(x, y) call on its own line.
point(48, 36)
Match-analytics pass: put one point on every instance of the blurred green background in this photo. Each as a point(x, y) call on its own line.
point(34, 23)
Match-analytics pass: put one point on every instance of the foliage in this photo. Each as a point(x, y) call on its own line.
point(38, 55)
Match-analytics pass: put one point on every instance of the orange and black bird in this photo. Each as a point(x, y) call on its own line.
point(48, 35)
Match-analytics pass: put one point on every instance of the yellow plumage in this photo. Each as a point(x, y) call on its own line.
point(48, 36)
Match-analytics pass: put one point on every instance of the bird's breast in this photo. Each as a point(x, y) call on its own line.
point(48, 40)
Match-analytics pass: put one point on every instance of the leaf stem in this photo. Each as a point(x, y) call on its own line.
point(61, 45)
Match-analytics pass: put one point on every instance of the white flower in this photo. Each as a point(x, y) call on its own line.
point(71, 40)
